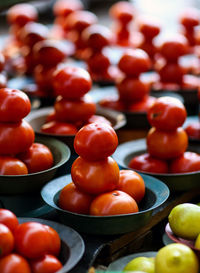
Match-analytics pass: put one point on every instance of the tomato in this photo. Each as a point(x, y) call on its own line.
point(2, 61)
point(147, 163)
point(95, 177)
point(59, 128)
point(9, 219)
point(162, 112)
point(45, 264)
point(15, 138)
point(188, 162)
point(142, 105)
point(74, 200)
point(6, 240)
point(173, 48)
point(14, 263)
point(12, 166)
point(131, 183)
point(65, 7)
point(113, 203)
point(74, 110)
point(37, 158)
point(132, 89)
point(95, 141)
point(99, 119)
point(166, 145)
point(171, 73)
point(71, 82)
point(20, 14)
point(189, 17)
point(149, 27)
point(134, 62)
point(51, 116)
point(32, 240)
point(98, 63)
point(193, 130)
point(113, 103)
point(14, 105)
point(49, 52)
point(44, 77)
point(122, 11)
point(32, 33)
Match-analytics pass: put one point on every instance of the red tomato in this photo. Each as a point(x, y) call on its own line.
point(15, 138)
point(45, 264)
point(122, 11)
point(147, 163)
point(142, 105)
point(99, 119)
point(149, 27)
point(113, 103)
point(95, 141)
point(188, 162)
point(131, 183)
point(20, 14)
point(65, 7)
point(6, 240)
point(9, 219)
point(73, 200)
point(193, 130)
point(37, 158)
point(172, 73)
point(14, 105)
point(14, 263)
point(167, 145)
point(74, 110)
point(190, 17)
point(98, 62)
point(72, 82)
point(12, 166)
point(134, 62)
point(44, 77)
point(32, 240)
point(132, 89)
point(163, 111)
point(51, 116)
point(95, 177)
point(113, 203)
point(59, 128)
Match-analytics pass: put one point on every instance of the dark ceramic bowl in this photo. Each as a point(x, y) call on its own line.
point(72, 244)
point(30, 183)
point(38, 117)
point(176, 182)
point(156, 194)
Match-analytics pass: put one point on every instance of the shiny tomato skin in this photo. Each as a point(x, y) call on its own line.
point(45, 264)
point(99, 119)
point(14, 263)
point(122, 11)
point(190, 18)
point(14, 105)
point(43, 77)
point(193, 130)
point(149, 27)
point(72, 82)
point(98, 62)
point(65, 7)
point(74, 200)
point(188, 162)
point(55, 241)
point(37, 158)
point(167, 113)
point(132, 183)
point(95, 177)
point(134, 62)
point(132, 89)
point(58, 128)
point(95, 142)
point(147, 163)
point(12, 166)
point(113, 203)
point(166, 145)
point(172, 73)
point(74, 110)
point(142, 105)
point(6, 240)
point(11, 136)
point(9, 219)
point(32, 240)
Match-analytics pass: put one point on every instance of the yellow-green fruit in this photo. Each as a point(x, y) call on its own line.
point(176, 258)
point(197, 242)
point(184, 220)
point(146, 264)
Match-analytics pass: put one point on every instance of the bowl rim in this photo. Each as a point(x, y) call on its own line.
point(159, 188)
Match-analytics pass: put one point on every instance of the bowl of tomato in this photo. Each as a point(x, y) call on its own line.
point(33, 182)
point(156, 194)
point(125, 152)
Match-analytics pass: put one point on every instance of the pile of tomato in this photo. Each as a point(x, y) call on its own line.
point(98, 187)
point(167, 141)
point(28, 247)
point(19, 155)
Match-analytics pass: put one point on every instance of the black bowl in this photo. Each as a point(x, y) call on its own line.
point(156, 194)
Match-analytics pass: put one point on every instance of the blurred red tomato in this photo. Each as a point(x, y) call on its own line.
point(113, 103)
point(65, 7)
point(149, 27)
point(44, 77)
point(99, 119)
point(122, 11)
point(9, 219)
point(98, 62)
point(59, 128)
point(188, 162)
point(45, 264)
point(189, 17)
point(12, 166)
point(193, 130)
point(171, 73)
point(6, 240)
point(14, 263)
point(142, 105)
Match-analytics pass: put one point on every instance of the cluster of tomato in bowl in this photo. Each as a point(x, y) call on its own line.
point(28, 247)
point(167, 141)
point(98, 187)
point(19, 154)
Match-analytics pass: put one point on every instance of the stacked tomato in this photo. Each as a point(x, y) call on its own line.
point(166, 140)
point(29, 247)
point(98, 187)
point(18, 154)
